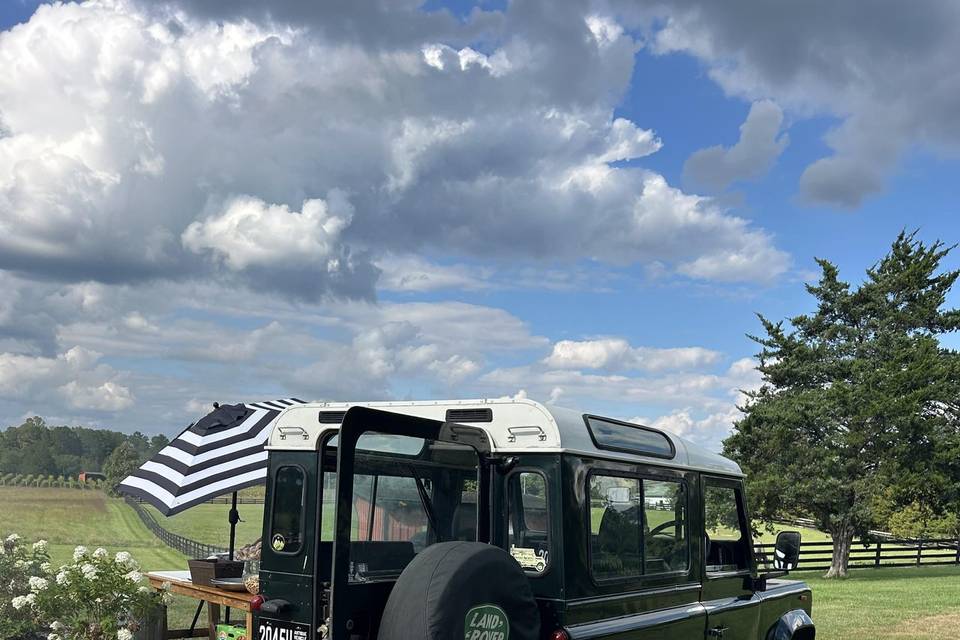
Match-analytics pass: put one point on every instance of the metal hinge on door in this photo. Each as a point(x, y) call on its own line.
point(716, 632)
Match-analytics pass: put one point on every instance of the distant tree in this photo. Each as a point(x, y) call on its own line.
point(157, 443)
point(121, 463)
point(858, 400)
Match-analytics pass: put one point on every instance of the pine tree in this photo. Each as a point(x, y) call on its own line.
point(858, 401)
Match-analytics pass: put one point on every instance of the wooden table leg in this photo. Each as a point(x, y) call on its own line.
point(213, 615)
point(249, 625)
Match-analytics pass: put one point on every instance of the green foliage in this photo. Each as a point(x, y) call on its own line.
point(94, 597)
point(858, 399)
point(38, 449)
point(19, 564)
point(121, 463)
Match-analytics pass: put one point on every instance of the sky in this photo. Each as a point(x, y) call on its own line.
point(583, 203)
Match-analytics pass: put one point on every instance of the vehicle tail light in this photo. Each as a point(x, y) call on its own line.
point(255, 603)
point(560, 634)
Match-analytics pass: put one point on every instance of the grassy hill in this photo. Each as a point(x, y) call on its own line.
point(70, 517)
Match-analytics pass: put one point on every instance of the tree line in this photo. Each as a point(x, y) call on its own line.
point(857, 422)
point(37, 449)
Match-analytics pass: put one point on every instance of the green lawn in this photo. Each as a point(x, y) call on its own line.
point(208, 523)
point(887, 604)
point(70, 517)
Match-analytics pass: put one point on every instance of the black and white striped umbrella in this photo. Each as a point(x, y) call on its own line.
point(221, 453)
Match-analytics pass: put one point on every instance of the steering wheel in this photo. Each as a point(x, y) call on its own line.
point(661, 527)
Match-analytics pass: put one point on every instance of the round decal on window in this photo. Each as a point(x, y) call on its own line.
point(278, 542)
point(486, 622)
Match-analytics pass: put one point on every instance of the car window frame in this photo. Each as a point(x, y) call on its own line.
point(743, 516)
point(633, 452)
point(638, 577)
point(303, 504)
point(550, 537)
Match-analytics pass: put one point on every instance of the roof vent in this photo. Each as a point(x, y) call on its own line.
point(332, 417)
point(469, 415)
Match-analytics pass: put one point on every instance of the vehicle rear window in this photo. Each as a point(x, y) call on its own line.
point(631, 438)
point(528, 530)
point(637, 527)
point(286, 529)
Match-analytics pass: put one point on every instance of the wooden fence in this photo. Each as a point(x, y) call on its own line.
point(815, 556)
point(186, 546)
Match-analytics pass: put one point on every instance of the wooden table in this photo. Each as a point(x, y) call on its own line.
point(214, 597)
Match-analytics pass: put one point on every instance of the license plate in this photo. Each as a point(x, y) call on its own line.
point(269, 629)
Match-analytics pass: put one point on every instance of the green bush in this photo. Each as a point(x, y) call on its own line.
point(95, 597)
point(19, 564)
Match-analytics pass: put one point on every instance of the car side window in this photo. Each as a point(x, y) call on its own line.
point(637, 527)
point(728, 545)
point(528, 532)
point(665, 540)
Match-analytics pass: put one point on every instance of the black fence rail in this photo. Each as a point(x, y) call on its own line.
point(186, 546)
point(816, 556)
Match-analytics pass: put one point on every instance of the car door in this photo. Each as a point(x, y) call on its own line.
point(732, 606)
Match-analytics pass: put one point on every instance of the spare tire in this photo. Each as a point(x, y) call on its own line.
point(461, 591)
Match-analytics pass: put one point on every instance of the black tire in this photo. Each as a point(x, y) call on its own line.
point(449, 580)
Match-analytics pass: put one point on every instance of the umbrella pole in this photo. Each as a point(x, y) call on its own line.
point(234, 519)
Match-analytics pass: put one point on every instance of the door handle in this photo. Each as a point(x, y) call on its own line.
point(717, 632)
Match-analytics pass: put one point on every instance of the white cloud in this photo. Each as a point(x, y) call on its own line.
point(75, 373)
point(760, 144)
point(616, 354)
point(113, 107)
point(249, 232)
point(886, 74)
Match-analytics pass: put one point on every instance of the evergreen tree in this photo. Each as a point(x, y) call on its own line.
point(858, 401)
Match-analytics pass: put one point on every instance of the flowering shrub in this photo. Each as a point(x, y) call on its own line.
point(95, 597)
point(21, 567)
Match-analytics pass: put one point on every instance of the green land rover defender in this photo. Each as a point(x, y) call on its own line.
point(509, 520)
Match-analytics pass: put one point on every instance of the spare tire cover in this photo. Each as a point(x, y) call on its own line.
point(461, 591)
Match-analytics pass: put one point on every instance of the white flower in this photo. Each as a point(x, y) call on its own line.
point(21, 564)
point(40, 545)
point(100, 553)
point(19, 602)
point(31, 597)
point(79, 552)
point(124, 634)
point(3, 551)
point(53, 636)
point(56, 625)
point(13, 538)
point(37, 584)
point(123, 557)
point(144, 589)
point(63, 579)
point(45, 567)
point(134, 576)
point(89, 571)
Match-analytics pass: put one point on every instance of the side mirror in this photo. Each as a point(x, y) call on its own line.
point(786, 553)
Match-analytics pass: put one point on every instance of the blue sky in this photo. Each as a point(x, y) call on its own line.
point(445, 200)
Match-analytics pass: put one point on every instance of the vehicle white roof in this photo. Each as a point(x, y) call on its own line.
point(518, 426)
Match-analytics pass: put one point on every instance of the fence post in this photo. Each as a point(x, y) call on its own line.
point(919, 549)
point(876, 558)
point(957, 559)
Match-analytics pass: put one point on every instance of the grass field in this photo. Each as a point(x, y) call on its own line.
point(887, 604)
point(69, 517)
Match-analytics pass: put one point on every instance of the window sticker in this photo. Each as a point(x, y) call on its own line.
point(529, 558)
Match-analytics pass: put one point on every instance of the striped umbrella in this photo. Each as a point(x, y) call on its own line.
point(221, 453)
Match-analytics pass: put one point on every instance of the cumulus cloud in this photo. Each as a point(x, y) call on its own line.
point(75, 374)
point(133, 128)
point(760, 144)
point(887, 74)
point(616, 354)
